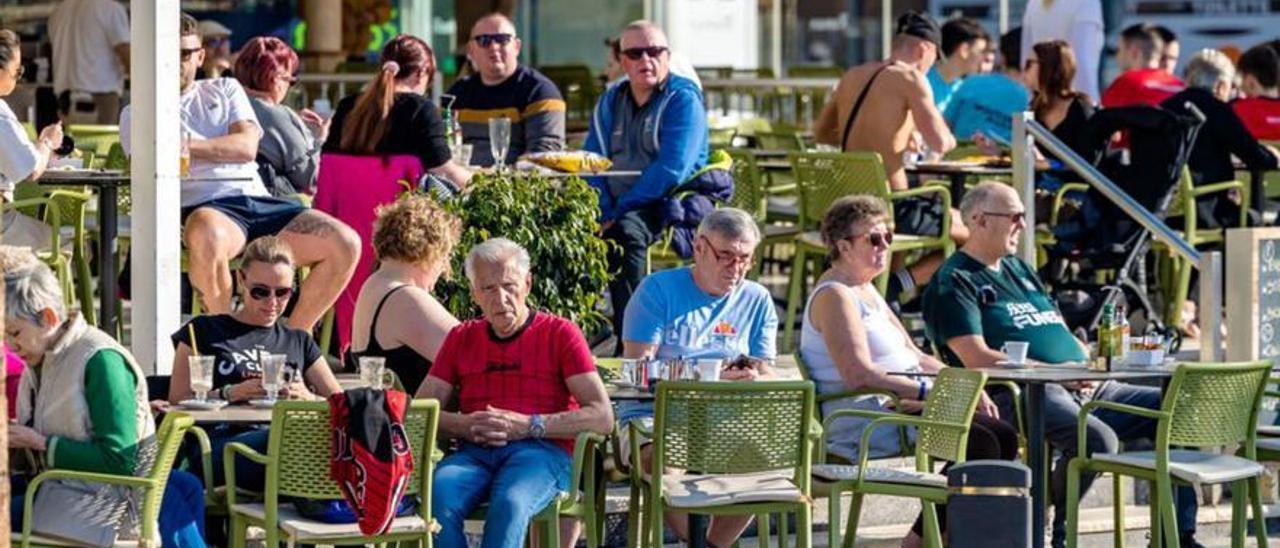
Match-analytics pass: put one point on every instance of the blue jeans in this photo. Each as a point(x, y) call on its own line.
point(1106, 429)
point(517, 480)
point(181, 520)
point(249, 475)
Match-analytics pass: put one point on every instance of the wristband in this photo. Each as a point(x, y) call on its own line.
point(225, 392)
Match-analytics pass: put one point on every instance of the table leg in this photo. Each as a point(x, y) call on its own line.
point(107, 248)
point(957, 188)
point(1035, 460)
point(697, 530)
point(1258, 190)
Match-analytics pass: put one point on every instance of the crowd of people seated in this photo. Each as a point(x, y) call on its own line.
point(519, 384)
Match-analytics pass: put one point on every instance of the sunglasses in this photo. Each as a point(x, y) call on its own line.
point(262, 292)
point(486, 40)
point(876, 239)
point(635, 54)
point(187, 53)
point(1017, 217)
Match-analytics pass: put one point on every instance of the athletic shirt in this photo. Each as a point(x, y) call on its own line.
point(410, 367)
point(889, 350)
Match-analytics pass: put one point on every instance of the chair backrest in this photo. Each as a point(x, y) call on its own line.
point(952, 399)
point(749, 193)
point(815, 71)
point(94, 138)
point(823, 177)
point(1213, 404)
point(733, 428)
point(167, 443)
point(300, 446)
point(780, 140)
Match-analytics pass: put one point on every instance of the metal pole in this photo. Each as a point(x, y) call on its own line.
point(1024, 181)
point(1210, 306)
point(775, 37)
point(154, 141)
point(1004, 17)
point(886, 27)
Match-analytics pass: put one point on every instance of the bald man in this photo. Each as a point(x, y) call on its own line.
point(501, 87)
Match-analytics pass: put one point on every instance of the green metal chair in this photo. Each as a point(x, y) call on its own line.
point(745, 448)
point(149, 488)
point(59, 208)
point(297, 466)
point(904, 443)
point(942, 432)
point(824, 177)
point(1206, 405)
point(751, 194)
point(94, 138)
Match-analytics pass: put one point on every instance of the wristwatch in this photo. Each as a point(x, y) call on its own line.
point(537, 427)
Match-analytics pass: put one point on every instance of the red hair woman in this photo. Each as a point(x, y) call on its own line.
point(289, 151)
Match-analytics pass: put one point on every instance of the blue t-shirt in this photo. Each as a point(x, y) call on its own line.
point(986, 103)
point(669, 310)
point(941, 89)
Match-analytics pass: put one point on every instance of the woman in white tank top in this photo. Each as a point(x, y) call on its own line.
point(851, 340)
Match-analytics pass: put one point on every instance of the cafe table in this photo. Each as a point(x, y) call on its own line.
point(106, 184)
point(1033, 381)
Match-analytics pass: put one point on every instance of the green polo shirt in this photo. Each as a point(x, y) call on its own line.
point(1002, 304)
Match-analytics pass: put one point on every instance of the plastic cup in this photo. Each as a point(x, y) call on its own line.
point(709, 370)
point(1016, 351)
point(372, 371)
point(202, 375)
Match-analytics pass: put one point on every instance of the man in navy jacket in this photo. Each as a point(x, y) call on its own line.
point(652, 121)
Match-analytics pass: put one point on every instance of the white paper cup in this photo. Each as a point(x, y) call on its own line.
point(1016, 351)
point(709, 370)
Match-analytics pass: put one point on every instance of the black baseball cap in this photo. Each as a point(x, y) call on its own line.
point(919, 25)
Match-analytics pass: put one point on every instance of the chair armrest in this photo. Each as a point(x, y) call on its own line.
point(206, 453)
point(29, 498)
point(1061, 195)
point(584, 451)
point(1200, 190)
point(881, 419)
point(904, 447)
point(1089, 406)
point(229, 466)
point(785, 188)
point(635, 431)
point(1016, 391)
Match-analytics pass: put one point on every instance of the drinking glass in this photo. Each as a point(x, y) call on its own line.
point(184, 155)
point(272, 375)
point(499, 140)
point(372, 371)
point(202, 376)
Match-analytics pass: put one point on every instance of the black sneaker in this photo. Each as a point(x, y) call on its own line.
point(1188, 540)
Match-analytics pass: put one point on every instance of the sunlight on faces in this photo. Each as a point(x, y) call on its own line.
point(646, 72)
point(500, 288)
point(721, 263)
point(860, 252)
point(191, 56)
point(497, 61)
point(1000, 220)
point(30, 340)
point(271, 276)
point(972, 55)
point(9, 74)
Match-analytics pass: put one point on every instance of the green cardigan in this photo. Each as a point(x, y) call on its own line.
point(108, 381)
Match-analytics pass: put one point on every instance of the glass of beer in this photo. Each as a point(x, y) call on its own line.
point(184, 155)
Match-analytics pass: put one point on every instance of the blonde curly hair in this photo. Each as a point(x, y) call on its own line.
point(416, 230)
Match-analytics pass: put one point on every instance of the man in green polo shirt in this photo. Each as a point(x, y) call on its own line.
point(984, 296)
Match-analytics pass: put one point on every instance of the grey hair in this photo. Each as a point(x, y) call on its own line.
point(731, 223)
point(978, 197)
point(496, 251)
point(1207, 68)
point(29, 290)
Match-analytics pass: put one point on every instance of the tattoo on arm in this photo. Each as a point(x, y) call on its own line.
point(311, 223)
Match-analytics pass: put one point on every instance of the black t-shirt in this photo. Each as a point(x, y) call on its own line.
point(414, 128)
point(1073, 129)
point(239, 346)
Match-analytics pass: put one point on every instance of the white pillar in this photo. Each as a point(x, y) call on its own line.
point(886, 27)
point(775, 37)
point(324, 34)
point(155, 134)
point(1004, 17)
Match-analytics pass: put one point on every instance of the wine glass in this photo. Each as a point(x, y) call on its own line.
point(499, 140)
point(202, 376)
point(272, 375)
point(372, 371)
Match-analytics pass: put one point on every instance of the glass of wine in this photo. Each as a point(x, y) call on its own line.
point(499, 140)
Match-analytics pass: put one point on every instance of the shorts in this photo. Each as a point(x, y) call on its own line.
point(919, 216)
point(257, 216)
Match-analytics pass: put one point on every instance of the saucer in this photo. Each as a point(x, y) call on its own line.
point(206, 405)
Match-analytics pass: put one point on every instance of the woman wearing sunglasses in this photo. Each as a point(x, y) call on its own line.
point(289, 151)
point(239, 340)
point(850, 340)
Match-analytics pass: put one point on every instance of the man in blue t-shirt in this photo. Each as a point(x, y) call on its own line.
point(985, 103)
point(708, 310)
point(964, 45)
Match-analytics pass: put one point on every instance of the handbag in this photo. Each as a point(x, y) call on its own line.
point(86, 513)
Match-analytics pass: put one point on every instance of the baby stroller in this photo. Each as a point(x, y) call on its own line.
point(1101, 238)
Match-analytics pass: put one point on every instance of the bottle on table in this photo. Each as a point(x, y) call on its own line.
point(1107, 342)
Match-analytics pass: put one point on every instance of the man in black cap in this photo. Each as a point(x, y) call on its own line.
point(887, 107)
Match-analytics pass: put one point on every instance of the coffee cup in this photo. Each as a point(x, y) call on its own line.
point(709, 369)
point(1016, 351)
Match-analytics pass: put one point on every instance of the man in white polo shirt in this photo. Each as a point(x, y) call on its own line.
point(225, 205)
point(90, 59)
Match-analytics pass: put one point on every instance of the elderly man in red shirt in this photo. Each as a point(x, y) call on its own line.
point(1143, 81)
point(527, 386)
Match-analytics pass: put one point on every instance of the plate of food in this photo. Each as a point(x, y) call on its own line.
point(569, 161)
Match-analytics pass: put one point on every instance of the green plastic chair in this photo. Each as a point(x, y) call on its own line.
point(942, 432)
point(660, 255)
point(746, 448)
point(297, 466)
point(904, 443)
point(149, 487)
point(59, 208)
point(824, 177)
point(1206, 405)
point(94, 138)
point(750, 194)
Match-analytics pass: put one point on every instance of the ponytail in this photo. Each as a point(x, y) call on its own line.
point(402, 57)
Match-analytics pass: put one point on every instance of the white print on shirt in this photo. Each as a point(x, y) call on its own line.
point(1025, 314)
point(250, 360)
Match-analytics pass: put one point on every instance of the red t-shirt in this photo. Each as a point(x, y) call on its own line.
point(1261, 115)
point(1147, 86)
point(524, 373)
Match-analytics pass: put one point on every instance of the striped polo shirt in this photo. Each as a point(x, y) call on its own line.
point(528, 98)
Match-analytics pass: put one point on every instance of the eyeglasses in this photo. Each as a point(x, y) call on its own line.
point(486, 40)
point(635, 54)
point(876, 239)
point(1016, 217)
point(727, 259)
point(187, 53)
point(262, 292)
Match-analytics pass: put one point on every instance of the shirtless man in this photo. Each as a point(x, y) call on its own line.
point(898, 104)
